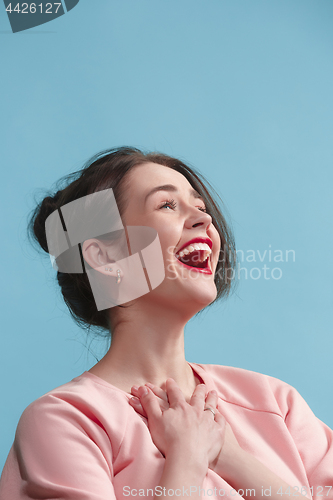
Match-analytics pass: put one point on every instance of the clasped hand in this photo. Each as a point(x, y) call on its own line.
point(177, 426)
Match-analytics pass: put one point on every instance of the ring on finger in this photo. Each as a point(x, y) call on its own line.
point(209, 409)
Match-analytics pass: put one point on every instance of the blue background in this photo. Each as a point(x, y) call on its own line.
point(240, 89)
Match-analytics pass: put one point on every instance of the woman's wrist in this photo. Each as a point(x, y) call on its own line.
point(243, 471)
point(228, 462)
point(195, 465)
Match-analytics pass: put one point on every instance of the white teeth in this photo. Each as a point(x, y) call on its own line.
point(196, 246)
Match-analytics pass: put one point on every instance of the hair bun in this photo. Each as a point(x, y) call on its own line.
point(41, 213)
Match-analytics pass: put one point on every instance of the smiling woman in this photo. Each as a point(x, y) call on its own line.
point(123, 170)
point(143, 421)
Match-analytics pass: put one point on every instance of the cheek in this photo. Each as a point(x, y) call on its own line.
point(168, 250)
point(216, 240)
point(168, 238)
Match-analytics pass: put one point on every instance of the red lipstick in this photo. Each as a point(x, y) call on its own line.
point(199, 239)
point(204, 270)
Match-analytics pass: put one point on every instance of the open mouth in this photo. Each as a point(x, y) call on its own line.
point(196, 256)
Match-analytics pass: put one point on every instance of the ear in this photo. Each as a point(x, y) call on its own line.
point(95, 253)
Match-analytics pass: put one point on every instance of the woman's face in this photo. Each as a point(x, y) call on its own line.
point(177, 214)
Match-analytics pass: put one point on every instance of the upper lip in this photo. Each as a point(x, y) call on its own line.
point(199, 239)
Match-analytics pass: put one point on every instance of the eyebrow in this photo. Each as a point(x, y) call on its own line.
point(172, 188)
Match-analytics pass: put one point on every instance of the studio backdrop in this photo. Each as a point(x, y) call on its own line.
point(242, 91)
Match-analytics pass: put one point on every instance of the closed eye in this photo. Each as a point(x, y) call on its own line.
point(170, 203)
point(173, 205)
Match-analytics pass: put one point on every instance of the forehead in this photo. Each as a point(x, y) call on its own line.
point(144, 177)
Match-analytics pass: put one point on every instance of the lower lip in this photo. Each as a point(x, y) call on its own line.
point(204, 270)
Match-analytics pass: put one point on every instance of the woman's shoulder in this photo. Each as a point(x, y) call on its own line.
point(85, 402)
point(252, 390)
point(86, 388)
point(66, 441)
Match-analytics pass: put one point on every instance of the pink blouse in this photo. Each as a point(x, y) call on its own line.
point(83, 441)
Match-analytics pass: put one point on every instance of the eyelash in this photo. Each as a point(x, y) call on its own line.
point(173, 205)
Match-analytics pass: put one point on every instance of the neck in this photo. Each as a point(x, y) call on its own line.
point(147, 346)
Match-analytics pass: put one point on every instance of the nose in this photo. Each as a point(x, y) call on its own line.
point(197, 219)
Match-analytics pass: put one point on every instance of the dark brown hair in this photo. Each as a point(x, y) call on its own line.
point(109, 169)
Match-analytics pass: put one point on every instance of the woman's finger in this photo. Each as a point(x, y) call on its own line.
point(174, 393)
point(220, 420)
point(136, 404)
point(211, 401)
point(162, 396)
point(149, 402)
point(158, 391)
point(198, 397)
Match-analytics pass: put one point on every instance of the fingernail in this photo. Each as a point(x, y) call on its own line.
point(148, 384)
point(214, 393)
point(135, 387)
point(144, 391)
point(135, 401)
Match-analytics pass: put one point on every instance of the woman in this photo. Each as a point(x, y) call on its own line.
point(190, 430)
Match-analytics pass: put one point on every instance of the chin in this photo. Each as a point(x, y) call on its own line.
point(205, 299)
point(191, 297)
point(200, 296)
